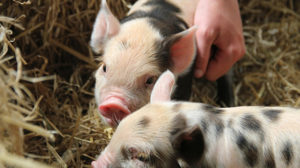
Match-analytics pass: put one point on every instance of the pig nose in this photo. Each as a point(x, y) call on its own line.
point(115, 109)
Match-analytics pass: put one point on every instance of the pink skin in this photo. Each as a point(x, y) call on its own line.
point(219, 23)
point(114, 108)
point(116, 98)
point(103, 161)
point(163, 88)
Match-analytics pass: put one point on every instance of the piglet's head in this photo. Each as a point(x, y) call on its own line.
point(154, 136)
point(134, 55)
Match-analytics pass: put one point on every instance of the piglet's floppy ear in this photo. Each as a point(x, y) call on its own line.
point(189, 145)
point(183, 50)
point(105, 26)
point(163, 87)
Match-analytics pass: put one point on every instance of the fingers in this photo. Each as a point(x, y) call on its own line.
point(204, 43)
point(223, 61)
point(219, 24)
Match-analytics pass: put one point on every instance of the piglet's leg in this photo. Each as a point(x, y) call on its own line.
point(225, 90)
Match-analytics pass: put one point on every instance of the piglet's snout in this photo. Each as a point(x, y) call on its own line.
point(95, 164)
point(103, 161)
point(114, 109)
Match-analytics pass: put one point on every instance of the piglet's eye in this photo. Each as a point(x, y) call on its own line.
point(150, 80)
point(135, 154)
point(143, 158)
point(104, 68)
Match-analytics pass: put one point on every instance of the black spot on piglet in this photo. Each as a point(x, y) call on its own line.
point(204, 125)
point(269, 160)
point(178, 124)
point(219, 127)
point(250, 122)
point(144, 122)
point(165, 5)
point(212, 109)
point(287, 153)
point(272, 114)
point(249, 150)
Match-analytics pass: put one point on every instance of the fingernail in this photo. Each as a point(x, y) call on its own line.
point(198, 73)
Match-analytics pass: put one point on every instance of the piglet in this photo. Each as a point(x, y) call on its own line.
point(164, 131)
point(154, 36)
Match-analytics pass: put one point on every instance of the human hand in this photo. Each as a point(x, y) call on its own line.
point(219, 23)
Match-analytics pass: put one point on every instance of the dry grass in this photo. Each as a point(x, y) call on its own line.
point(47, 111)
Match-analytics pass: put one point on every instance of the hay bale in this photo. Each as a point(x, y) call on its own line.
point(55, 33)
point(48, 83)
point(18, 105)
point(269, 72)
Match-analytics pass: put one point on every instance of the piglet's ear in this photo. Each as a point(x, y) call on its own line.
point(183, 50)
point(163, 87)
point(189, 145)
point(105, 26)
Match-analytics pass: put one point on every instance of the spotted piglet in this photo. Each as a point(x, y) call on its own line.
point(164, 131)
point(154, 36)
